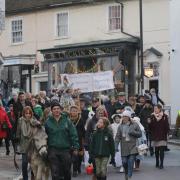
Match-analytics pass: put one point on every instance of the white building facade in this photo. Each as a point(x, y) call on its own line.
point(27, 32)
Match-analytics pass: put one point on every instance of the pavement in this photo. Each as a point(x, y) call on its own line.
point(147, 170)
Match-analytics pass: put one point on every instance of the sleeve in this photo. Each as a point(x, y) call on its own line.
point(160, 100)
point(73, 136)
point(8, 122)
point(135, 131)
point(118, 137)
point(112, 145)
point(18, 131)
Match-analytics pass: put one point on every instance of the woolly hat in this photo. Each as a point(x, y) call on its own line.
point(126, 113)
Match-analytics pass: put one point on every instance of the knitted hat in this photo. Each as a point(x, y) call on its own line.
point(126, 114)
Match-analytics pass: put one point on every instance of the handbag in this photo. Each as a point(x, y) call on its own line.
point(142, 149)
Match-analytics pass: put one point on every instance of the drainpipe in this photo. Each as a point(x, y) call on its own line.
point(140, 40)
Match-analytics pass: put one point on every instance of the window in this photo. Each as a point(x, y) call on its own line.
point(114, 18)
point(16, 27)
point(44, 66)
point(62, 24)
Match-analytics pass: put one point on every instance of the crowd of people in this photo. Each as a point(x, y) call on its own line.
point(98, 131)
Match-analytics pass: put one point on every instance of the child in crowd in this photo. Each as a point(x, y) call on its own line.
point(101, 147)
point(117, 121)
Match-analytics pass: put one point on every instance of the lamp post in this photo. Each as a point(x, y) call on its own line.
point(141, 44)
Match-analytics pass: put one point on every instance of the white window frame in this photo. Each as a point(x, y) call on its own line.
point(11, 32)
point(56, 30)
point(108, 18)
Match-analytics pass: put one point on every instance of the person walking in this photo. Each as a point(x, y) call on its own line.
point(101, 147)
point(75, 117)
point(4, 126)
point(24, 137)
point(159, 128)
point(128, 133)
point(144, 115)
point(114, 126)
point(62, 140)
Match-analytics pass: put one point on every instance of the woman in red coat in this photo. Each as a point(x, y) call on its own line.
point(4, 125)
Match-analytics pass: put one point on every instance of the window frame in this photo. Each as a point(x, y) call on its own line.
point(56, 23)
point(11, 31)
point(108, 18)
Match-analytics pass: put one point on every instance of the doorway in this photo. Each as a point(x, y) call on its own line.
point(154, 84)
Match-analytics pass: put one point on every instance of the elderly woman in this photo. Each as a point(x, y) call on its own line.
point(128, 133)
point(159, 128)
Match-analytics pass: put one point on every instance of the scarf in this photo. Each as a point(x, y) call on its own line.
point(26, 128)
point(158, 116)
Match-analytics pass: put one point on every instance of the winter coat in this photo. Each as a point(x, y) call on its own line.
point(144, 115)
point(159, 129)
point(90, 129)
point(114, 127)
point(110, 109)
point(62, 134)
point(4, 121)
point(21, 134)
point(128, 147)
point(80, 131)
point(102, 144)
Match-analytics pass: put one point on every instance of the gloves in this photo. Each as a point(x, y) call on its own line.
point(113, 162)
point(43, 152)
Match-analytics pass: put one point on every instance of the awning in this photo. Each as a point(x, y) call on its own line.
point(100, 48)
point(21, 60)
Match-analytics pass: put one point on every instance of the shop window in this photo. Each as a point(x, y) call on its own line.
point(114, 18)
point(16, 29)
point(62, 24)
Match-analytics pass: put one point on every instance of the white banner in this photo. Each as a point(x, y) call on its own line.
point(90, 82)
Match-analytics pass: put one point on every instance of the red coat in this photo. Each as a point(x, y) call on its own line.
point(4, 118)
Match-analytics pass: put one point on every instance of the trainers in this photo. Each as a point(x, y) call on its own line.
point(121, 170)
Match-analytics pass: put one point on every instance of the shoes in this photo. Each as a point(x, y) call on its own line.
point(161, 167)
point(7, 153)
point(75, 174)
point(167, 149)
point(121, 169)
point(157, 165)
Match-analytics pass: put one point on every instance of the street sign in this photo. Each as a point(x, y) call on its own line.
point(2, 15)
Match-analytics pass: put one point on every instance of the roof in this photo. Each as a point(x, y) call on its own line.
point(19, 6)
point(154, 51)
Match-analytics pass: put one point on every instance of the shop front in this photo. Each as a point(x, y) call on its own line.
point(119, 56)
point(16, 73)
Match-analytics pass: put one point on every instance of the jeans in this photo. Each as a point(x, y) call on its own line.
point(128, 163)
point(25, 166)
point(101, 166)
point(60, 164)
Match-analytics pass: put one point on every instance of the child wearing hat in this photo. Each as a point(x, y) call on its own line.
point(116, 122)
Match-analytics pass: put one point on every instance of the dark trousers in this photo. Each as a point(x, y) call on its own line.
point(77, 160)
point(6, 143)
point(60, 164)
point(159, 152)
point(25, 166)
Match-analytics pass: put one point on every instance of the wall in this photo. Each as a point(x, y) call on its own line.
point(175, 56)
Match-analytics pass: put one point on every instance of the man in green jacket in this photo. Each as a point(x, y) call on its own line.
point(62, 139)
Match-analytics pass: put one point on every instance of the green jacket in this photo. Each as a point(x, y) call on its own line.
point(102, 144)
point(62, 134)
